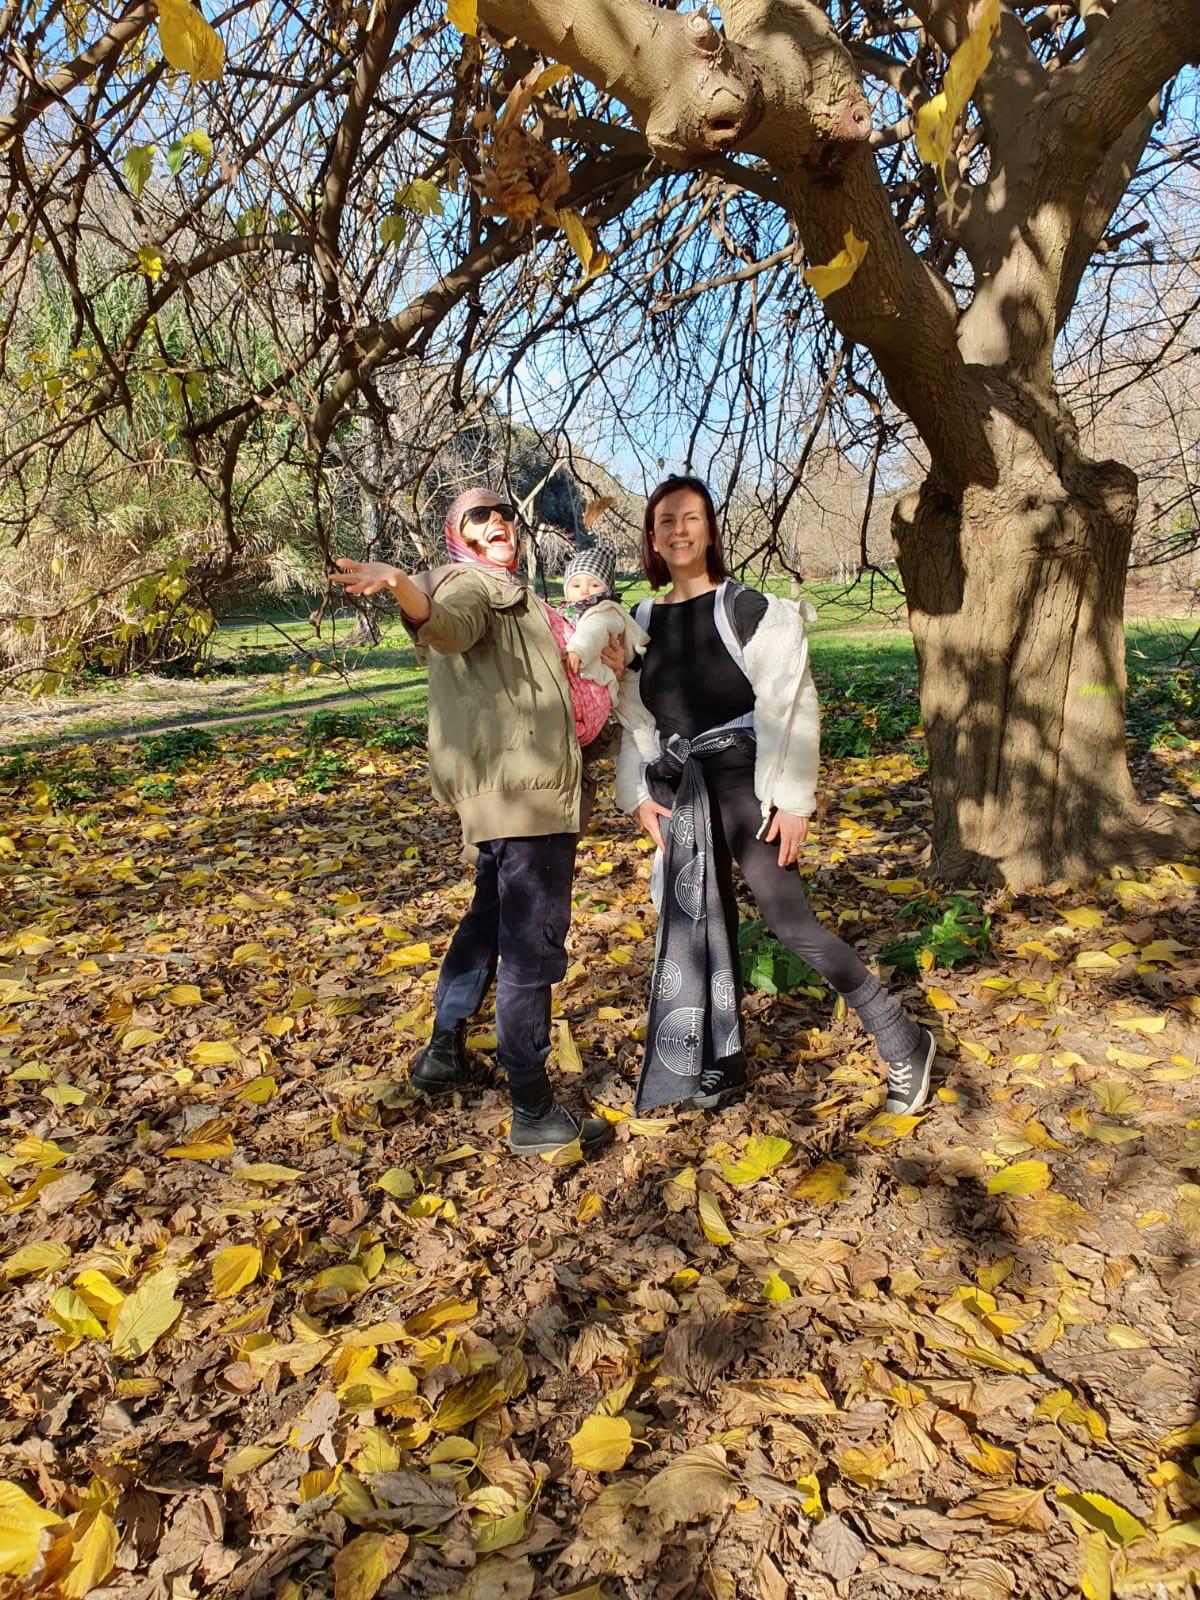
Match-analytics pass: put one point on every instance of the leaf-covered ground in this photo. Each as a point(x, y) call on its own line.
point(272, 1326)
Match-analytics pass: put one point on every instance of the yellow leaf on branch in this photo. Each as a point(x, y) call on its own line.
point(463, 15)
point(836, 274)
point(549, 76)
point(188, 43)
point(935, 121)
point(592, 260)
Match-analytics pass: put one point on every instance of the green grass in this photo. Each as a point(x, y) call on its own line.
point(862, 658)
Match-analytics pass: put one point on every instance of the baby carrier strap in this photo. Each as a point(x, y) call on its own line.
point(726, 618)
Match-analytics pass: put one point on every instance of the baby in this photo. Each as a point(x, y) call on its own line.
point(593, 613)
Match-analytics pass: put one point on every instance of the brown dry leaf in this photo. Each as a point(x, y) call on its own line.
point(696, 1484)
point(1015, 1507)
point(403, 1256)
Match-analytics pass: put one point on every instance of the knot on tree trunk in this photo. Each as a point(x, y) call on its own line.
point(710, 105)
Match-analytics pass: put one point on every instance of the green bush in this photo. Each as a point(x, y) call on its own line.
point(946, 936)
point(769, 966)
point(325, 726)
point(866, 711)
point(168, 752)
point(1163, 708)
point(322, 774)
point(398, 736)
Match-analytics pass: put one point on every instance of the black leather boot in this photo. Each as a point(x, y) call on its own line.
point(442, 1065)
point(534, 1134)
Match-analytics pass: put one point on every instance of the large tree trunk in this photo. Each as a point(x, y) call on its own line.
point(1016, 596)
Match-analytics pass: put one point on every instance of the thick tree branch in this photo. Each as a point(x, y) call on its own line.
point(1139, 49)
point(691, 92)
point(1103, 198)
point(371, 67)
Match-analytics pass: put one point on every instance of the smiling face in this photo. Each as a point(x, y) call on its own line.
point(583, 586)
point(491, 536)
point(681, 534)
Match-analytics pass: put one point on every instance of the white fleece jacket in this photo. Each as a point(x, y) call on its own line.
point(786, 715)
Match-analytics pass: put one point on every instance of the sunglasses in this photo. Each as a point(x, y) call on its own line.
point(480, 516)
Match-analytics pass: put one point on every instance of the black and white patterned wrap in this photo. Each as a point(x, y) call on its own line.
point(694, 1022)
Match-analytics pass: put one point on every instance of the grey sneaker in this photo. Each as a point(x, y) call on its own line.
point(554, 1130)
point(908, 1080)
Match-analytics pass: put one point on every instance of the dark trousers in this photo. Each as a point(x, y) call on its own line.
point(518, 919)
point(778, 891)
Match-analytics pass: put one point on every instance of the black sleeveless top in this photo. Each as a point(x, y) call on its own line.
point(689, 681)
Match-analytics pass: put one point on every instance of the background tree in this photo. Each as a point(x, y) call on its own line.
point(439, 212)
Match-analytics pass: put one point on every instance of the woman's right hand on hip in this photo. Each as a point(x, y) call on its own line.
point(648, 813)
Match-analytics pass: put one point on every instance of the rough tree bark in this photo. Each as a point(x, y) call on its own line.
point(1014, 551)
point(1016, 597)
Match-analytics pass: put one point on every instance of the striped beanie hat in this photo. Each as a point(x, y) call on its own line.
point(600, 563)
point(456, 546)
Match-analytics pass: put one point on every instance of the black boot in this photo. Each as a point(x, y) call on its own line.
point(442, 1065)
point(546, 1132)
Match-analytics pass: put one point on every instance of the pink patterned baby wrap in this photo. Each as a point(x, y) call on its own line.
point(589, 701)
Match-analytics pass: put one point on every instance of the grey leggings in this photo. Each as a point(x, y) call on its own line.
point(778, 891)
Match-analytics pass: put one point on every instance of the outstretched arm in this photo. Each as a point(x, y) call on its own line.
point(373, 577)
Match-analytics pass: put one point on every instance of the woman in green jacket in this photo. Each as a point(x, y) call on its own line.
point(503, 752)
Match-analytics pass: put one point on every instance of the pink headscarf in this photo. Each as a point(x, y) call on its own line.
point(456, 546)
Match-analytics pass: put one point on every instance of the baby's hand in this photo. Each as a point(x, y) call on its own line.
point(572, 662)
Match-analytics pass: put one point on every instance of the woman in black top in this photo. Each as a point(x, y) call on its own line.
point(702, 679)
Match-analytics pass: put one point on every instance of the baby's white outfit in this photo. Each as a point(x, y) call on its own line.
point(592, 632)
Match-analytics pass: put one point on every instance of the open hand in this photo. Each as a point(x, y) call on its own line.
point(572, 662)
point(648, 814)
point(791, 832)
point(364, 577)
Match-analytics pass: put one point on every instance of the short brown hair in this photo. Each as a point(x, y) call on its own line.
point(653, 565)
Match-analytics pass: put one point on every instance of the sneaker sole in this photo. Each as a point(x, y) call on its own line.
point(915, 1102)
point(714, 1102)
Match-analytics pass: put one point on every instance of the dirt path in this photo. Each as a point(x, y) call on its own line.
point(32, 726)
